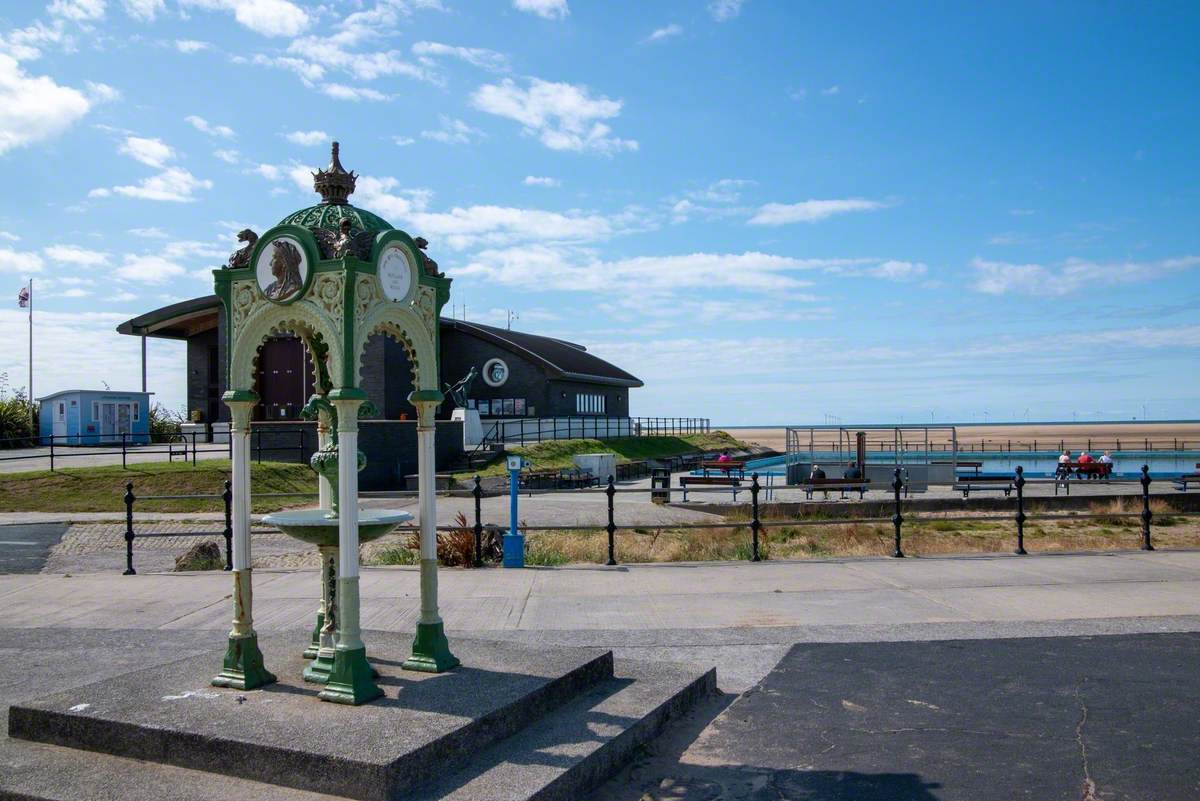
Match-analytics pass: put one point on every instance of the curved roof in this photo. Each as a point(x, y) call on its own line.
point(330, 215)
point(562, 359)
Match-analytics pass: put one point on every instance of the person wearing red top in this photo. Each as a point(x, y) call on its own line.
point(1085, 458)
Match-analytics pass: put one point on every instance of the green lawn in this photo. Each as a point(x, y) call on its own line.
point(102, 489)
point(557, 454)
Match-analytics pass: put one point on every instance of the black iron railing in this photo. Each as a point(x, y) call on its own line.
point(186, 446)
point(546, 429)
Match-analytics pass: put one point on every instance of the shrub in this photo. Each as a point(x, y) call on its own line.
point(455, 548)
point(164, 422)
point(17, 415)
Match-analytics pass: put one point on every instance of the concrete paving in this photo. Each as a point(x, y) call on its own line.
point(1058, 719)
point(23, 549)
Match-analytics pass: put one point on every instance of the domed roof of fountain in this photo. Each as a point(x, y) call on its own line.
point(335, 184)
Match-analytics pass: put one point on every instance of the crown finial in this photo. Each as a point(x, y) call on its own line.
point(334, 183)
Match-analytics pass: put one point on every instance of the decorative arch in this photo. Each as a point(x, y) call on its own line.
point(302, 319)
point(407, 323)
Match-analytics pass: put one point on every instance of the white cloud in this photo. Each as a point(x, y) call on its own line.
point(204, 126)
point(810, 210)
point(267, 17)
point(100, 191)
point(190, 45)
point(353, 93)
point(148, 269)
point(149, 233)
point(562, 115)
point(143, 10)
point(26, 44)
point(77, 10)
point(546, 9)
point(100, 92)
point(11, 237)
point(307, 138)
point(454, 132)
point(228, 156)
point(403, 141)
point(152, 152)
point(555, 268)
point(35, 108)
point(898, 270)
point(478, 56)
point(665, 32)
point(15, 261)
point(541, 180)
point(74, 292)
point(1073, 275)
point(724, 10)
point(73, 254)
point(173, 184)
point(831, 90)
point(271, 172)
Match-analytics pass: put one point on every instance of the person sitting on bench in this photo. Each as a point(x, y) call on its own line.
point(1106, 465)
point(852, 471)
point(1085, 465)
point(1064, 465)
point(818, 474)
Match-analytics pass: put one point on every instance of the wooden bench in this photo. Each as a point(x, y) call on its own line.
point(1182, 482)
point(627, 471)
point(728, 468)
point(540, 479)
point(985, 483)
point(973, 466)
point(840, 484)
point(710, 481)
point(576, 479)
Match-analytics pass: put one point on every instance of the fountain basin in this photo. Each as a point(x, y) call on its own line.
point(312, 526)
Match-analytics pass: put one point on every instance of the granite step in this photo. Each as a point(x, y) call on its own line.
point(564, 755)
point(282, 735)
point(576, 747)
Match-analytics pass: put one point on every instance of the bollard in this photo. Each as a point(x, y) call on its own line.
point(1146, 514)
point(755, 525)
point(897, 518)
point(123, 466)
point(1020, 485)
point(611, 492)
point(129, 499)
point(227, 497)
point(193, 449)
point(477, 492)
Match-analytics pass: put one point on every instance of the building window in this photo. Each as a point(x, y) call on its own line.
point(95, 410)
point(589, 403)
point(62, 412)
point(137, 412)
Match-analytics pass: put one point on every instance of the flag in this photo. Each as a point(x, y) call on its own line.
point(23, 297)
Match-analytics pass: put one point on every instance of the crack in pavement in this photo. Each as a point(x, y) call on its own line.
point(1089, 786)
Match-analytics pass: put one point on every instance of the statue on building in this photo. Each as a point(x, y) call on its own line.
point(460, 389)
point(241, 256)
point(431, 267)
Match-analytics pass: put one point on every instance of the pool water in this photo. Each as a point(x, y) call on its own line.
point(1162, 465)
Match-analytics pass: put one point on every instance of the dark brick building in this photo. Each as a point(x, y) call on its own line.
point(521, 375)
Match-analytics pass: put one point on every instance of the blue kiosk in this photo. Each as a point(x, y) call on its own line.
point(94, 417)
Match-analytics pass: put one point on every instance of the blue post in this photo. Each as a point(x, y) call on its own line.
point(514, 541)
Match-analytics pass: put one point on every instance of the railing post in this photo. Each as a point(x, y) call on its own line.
point(51, 453)
point(123, 467)
point(1020, 485)
point(611, 492)
point(755, 525)
point(259, 432)
point(193, 449)
point(1146, 513)
point(129, 499)
point(897, 518)
point(477, 492)
point(227, 498)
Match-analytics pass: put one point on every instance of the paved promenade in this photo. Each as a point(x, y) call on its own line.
point(740, 616)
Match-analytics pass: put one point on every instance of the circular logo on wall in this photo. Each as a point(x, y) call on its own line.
point(282, 269)
point(395, 273)
point(495, 372)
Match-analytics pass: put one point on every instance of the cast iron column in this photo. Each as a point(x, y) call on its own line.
point(430, 650)
point(243, 667)
point(352, 680)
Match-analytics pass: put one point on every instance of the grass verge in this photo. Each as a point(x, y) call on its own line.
point(102, 489)
point(558, 454)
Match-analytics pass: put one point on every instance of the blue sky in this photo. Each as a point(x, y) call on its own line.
point(770, 212)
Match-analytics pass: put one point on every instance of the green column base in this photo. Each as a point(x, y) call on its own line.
point(244, 668)
point(320, 669)
point(430, 650)
point(315, 646)
point(351, 681)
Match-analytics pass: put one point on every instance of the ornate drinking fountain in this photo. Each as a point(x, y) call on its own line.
point(320, 527)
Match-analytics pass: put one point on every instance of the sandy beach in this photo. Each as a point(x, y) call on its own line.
point(1023, 436)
